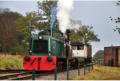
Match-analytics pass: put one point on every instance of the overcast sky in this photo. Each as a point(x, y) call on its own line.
point(95, 13)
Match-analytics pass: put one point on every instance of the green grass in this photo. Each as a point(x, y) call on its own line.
point(101, 73)
point(10, 62)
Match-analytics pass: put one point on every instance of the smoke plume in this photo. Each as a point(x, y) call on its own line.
point(63, 15)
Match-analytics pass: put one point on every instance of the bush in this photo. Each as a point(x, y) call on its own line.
point(10, 62)
point(18, 49)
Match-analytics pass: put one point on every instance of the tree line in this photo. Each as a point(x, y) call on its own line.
point(9, 37)
point(15, 28)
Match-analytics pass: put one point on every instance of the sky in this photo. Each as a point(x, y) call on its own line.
point(95, 13)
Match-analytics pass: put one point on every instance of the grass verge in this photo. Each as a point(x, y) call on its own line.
point(101, 73)
point(10, 62)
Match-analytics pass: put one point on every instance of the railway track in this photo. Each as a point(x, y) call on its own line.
point(13, 74)
point(19, 75)
point(22, 74)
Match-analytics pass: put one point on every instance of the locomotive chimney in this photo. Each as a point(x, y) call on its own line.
point(66, 36)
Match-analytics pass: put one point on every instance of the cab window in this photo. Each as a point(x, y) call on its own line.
point(40, 46)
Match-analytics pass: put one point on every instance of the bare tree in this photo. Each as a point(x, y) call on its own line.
point(8, 33)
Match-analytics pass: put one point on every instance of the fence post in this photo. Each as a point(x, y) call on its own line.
point(84, 66)
point(33, 74)
point(84, 69)
point(55, 73)
point(78, 67)
point(67, 69)
point(88, 66)
point(92, 65)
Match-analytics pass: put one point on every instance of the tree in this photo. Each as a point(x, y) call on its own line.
point(26, 23)
point(116, 20)
point(84, 34)
point(8, 33)
point(36, 19)
point(99, 57)
point(99, 54)
point(41, 19)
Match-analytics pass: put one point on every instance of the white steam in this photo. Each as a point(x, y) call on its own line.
point(63, 15)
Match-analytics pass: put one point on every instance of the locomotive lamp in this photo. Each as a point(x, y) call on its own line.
point(40, 37)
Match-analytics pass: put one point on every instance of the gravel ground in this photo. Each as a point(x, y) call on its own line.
point(63, 75)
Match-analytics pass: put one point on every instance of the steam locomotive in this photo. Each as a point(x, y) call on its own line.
point(47, 52)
